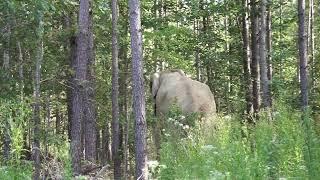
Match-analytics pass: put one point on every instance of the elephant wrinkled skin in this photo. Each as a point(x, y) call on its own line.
point(173, 86)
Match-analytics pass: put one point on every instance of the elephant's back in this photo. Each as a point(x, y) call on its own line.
point(203, 99)
point(193, 96)
point(190, 96)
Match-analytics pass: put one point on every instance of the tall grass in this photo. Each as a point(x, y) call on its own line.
point(287, 147)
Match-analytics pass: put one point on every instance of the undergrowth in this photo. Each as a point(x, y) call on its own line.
point(286, 147)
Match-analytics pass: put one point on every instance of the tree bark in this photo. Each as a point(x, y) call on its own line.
point(124, 83)
point(197, 50)
point(106, 153)
point(89, 100)
point(311, 46)
point(269, 43)
point(255, 56)
point(71, 56)
point(246, 59)
point(138, 91)
point(115, 94)
point(80, 78)
point(303, 55)
point(266, 102)
point(36, 110)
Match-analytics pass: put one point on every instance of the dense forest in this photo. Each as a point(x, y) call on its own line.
point(239, 94)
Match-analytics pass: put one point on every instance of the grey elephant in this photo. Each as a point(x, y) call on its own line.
point(174, 87)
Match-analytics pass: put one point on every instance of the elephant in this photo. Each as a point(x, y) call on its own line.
point(173, 86)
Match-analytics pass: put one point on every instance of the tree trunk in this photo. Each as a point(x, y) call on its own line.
point(138, 91)
point(303, 55)
point(255, 56)
point(106, 153)
point(269, 44)
point(197, 50)
point(124, 83)
point(246, 60)
point(311, 47)
point(266, 102)
point(115, 94)
point(47, 125)
point(89, 100)
point(37, 101)
point(281, 41)
point(81, 63)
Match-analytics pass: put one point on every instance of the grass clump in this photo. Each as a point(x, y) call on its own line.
point(283, 148)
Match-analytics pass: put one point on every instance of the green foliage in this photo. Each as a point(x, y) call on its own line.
point(274, 149)
point(21, 171)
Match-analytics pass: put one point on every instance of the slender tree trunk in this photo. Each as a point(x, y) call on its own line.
point(70, 46)
point(255, 56)
point(126, 130)
point(21, 77)
point(36, 110)
point(311, 46)
point(106, 153)
point(82, 56)
point(303, 55)
point(266, 102)
point(197, 50)
point(123, 92)
point(47, 125)
point(89, 100)
point(281, 42)
point(115, 94)
point(227, 48)
point(269, 43)
point(246, 59)
point(138, 91)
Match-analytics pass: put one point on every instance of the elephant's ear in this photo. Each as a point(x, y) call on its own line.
point(155, 84)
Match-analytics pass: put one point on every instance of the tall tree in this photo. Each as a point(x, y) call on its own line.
point(266, 100)
point(80, 68)
point(311, 45)
point(255, 55)
point(115, 94)
point(138, 91)
point(124, 84)
point(303, 54)
point(90, 128)
point(37, 101)
point(269, 43)
point(246, 58)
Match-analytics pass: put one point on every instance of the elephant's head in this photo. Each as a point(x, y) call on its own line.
point(174, 86)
